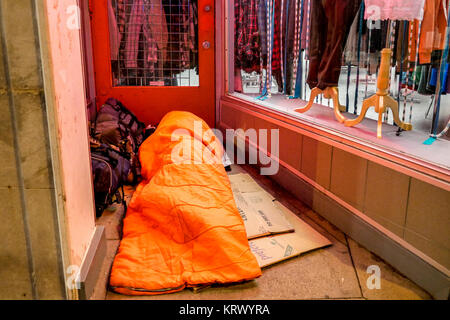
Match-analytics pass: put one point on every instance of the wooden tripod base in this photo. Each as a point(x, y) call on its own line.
point(328, 93)
point(381, 100)
point(381, 103)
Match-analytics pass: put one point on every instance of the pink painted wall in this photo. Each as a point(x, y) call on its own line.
point(69, 89)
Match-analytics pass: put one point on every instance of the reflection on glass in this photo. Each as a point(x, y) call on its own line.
point(283, 49)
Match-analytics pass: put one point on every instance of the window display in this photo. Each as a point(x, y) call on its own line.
point(293, 54)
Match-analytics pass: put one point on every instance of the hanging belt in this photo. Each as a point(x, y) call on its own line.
point(262, 83)
point(416, 64)
point(285, 46)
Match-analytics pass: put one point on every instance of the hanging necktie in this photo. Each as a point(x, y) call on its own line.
point(262, 15)
point(416, 64)
point(298, 75)
point(368, 57)
point(392, 33)
point(308, 34)
point(264, 83)
point(349, 73)
point(270, 38)
point(295, 48)
point(284, 71)
point(402, 56)
point(361, 21)
point(405, 99)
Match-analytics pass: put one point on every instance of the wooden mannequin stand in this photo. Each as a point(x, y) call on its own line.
point(381, 100)
point(328, 93)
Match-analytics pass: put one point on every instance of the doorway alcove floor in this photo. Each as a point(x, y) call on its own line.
point(335, 272)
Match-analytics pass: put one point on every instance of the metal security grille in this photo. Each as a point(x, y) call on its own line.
point(154, 42)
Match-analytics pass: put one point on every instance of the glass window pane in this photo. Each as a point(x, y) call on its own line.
point(154, 42)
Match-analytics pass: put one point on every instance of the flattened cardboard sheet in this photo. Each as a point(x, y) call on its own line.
point(275, 233)
point(244, 183)
point(268, 212)
point(254, 226)
point(261, 215)
point(272, 249)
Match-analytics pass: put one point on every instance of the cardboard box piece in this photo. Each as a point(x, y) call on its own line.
point(275, 233)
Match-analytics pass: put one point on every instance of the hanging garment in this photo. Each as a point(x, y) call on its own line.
point(193, 35)
point(262, 27)
point(138, 23)
point(434, 24)
point(262, 18)
point(401, 46)
point(289, 47)
point(378, 37)
point(297, 76)
point(188, 35)
point(375, 38)
point(158, 26)
point(288, 37)
point(181, 23)
point(123, 12)
point(425, 77)
point(414, 38)
point(431, 12)
point(394, 9)
point(266, 85)
point(434, 79)
point(436, 57)
point(330, 23)
point(247, 38)
point(276, 53)
point(305, 23)
point(115, 37)
point(351, 46)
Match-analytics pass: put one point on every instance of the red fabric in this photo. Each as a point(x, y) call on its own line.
point(247, 48)
point(276, 57)
point(434, 25)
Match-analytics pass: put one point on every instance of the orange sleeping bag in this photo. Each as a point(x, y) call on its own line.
point(182, 227)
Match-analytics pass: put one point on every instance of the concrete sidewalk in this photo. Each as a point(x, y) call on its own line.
point(335, 272)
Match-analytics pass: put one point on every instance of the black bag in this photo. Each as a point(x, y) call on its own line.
point(117, 126)
point(110, 171)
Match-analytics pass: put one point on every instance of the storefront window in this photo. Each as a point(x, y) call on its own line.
point(369, 70)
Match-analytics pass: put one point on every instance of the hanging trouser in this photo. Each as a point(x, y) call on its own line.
point(330, 24)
